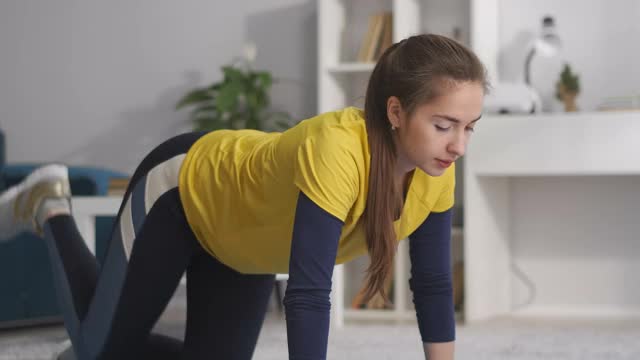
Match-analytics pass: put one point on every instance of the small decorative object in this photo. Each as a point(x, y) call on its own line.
point(547, 43)
point(512, 98)
point(240, 101)
point(542, 63)
point(568, 88)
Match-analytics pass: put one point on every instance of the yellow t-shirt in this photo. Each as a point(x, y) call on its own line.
point(239, 189)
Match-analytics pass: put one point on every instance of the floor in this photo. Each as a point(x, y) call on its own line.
point(497, 339)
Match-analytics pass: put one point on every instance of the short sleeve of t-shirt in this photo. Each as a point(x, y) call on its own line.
point(327, 172)
point(446, 199)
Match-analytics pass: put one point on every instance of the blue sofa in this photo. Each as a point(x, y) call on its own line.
point(27, 295)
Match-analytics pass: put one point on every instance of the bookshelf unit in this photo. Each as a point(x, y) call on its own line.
point(342, 81)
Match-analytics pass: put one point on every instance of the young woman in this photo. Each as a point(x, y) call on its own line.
point(232, 208)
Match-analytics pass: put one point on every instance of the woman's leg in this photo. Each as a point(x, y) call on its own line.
point(130, 294)
point(225, 310)
point(109, 313)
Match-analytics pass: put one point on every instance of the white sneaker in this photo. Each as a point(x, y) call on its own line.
point(20, 203)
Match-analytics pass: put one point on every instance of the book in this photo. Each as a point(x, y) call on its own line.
point(386, 39)
point(117, 186)
point(377, 38)
point(364, 46)
point(620, 103)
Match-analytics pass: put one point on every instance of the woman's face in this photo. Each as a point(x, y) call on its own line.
point(437, 133)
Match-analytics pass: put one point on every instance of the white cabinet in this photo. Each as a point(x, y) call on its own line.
point(551, 205)
point(342, 81)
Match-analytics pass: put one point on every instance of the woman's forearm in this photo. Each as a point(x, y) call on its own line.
point(439, 351)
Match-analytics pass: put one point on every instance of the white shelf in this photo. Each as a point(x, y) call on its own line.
point(352, 67)
point(342, 82)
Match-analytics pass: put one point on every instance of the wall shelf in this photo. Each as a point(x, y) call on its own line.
point(353, 67)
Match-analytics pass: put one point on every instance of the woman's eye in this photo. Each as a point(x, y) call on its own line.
point(470, 129)
point(442, 128)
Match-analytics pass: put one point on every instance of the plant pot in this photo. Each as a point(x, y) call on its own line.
point(569, 101)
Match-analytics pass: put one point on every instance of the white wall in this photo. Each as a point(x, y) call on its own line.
point(442, 17)
point(95, 82)
point(600, 41)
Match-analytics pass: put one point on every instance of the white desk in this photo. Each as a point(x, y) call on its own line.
point(535, 189)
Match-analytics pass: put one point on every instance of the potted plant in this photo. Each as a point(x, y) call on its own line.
point(239, 101)
point(568, 88)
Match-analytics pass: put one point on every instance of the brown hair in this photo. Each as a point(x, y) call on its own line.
point(415, 70)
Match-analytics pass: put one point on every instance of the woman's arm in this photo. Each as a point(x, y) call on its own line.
point(430, 253)
point(314, 247)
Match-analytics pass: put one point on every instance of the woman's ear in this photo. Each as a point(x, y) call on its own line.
point(394, 112)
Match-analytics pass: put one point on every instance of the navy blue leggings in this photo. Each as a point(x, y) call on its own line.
point(109, 312)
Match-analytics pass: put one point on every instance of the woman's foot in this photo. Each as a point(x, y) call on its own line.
point(25, 206)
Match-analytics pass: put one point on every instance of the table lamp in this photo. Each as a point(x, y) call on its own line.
point(547, 43)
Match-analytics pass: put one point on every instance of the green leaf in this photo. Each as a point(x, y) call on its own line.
point(265, 79)
point(239, 100)
point(208, 124)
point(569, 80)
point(194, 97)
point(204, 111)
point(252, 100)
point(215, 86)
point(237, 121)
point(253, 122)
point(262, 99)
point(228, 97)
point(282, 125)
point(233, 74)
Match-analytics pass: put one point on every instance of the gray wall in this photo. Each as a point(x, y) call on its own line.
point(600, 41)
point(95, 82)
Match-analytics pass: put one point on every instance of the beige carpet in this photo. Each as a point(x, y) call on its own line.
point(494, 340)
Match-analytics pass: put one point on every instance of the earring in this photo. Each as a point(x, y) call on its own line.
point(393, 128)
